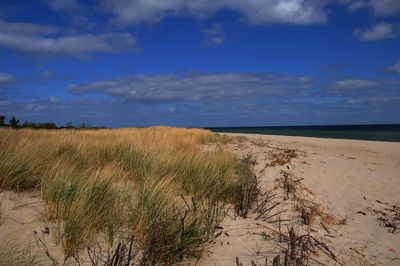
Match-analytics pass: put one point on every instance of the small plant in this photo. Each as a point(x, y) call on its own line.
point(124, 253)
point(265, 236)
point(249, 188)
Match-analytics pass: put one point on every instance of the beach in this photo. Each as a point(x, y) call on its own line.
point(341, 196)
point(354, 182)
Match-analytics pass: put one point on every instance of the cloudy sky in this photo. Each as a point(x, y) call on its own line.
point(201, 63)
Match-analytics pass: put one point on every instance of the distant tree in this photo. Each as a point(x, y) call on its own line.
point(48, 125)
point(2, 118)
point(69, 125)
point(83, 125)
point(14, 122)
point(30, 124)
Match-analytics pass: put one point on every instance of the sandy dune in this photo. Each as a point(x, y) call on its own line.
point(355, 183)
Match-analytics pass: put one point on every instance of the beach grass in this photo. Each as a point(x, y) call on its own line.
point(13, 253)
point(157, 184)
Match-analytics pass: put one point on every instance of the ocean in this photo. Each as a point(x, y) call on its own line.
point(360, 132)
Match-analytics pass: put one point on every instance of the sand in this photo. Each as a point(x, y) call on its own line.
point(355, 183)
point(21, 215)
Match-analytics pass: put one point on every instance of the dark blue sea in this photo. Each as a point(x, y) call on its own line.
point(361, 132)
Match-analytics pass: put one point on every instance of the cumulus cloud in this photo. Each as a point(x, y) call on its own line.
point(395, 69)
point(54, 99)
point(377, 32)
point(57, 5)
point(238, 113)
point(357, 84)
point(22, 28)
point(378, 7)
point(363, 87)
point(252, 11)
point(7, 79)
point(198, 87)
point(37, 39)
point(47, 74)
point(215, 99)
point(376, 100)
point(355, 5)
point(214, 35)
point(237, 91)
point(385, 7)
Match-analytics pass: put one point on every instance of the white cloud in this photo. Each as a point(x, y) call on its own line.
point(385, 7)
point(240, 113)
point(47, 74)
point(379, 8)
point(7, 79)
point(355, 5)
point(22, 28)
point(363, 86)
point(253, 11)
point(393, 69)
point(40, 40)
point(378, 32)
point(217, 88)
point(214, 35)
point(357, 83)
point(57, 5)
point(198, 87)
point(196, 99)
point(54, 99)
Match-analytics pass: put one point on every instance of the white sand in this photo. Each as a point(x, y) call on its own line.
point(345, 176)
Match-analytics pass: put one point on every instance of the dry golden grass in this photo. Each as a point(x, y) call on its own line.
point(153, 183)
point(12, 253)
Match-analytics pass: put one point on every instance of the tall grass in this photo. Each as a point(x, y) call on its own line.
point(155, 183)
point(12, 253)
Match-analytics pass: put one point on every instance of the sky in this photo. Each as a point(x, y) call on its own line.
point(200, 63)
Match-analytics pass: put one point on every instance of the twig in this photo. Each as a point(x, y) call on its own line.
point(41, 244)
point(275, 214)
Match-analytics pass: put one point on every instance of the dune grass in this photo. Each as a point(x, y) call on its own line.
point(13, 253)
point(155, 183)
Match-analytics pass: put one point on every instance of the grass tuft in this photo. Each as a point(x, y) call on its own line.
point(12, 253)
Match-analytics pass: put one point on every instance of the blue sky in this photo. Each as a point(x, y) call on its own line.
point(200, 63)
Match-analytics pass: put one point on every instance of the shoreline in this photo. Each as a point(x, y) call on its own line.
point(303, 138)
point(300, 136)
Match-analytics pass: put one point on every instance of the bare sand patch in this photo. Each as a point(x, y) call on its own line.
point(355, 185)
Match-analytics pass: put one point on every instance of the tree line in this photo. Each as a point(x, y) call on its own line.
point(14, 122)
